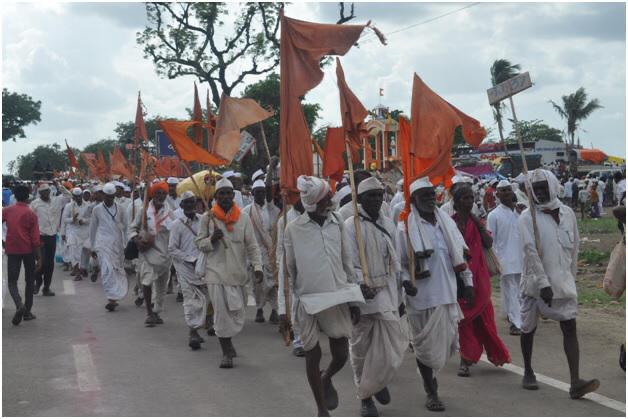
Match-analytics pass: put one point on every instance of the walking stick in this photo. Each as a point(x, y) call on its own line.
point(261, 127)
point(286, 333)
point(410, 250)
point(356, 219)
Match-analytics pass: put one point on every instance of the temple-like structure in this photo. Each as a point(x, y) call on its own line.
point(380, 147)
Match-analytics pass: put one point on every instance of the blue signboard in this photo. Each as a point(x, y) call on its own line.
point(165, 148)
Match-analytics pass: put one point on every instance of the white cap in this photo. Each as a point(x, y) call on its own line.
point(420, 183)
point(118, 184)
point(258, 184)
point(76, 191)
point(87, 191)
point(342, 192)
point(504, 184)
point(257, 174)
point(520, 178)
point(370, 184)
point(224, 183)
point(44, 187)
point(187, 195)
point(172, 181)
point(127, 189)
point(400, 182)
point(97, 188)
point(237, 174)
point(228, 174)
point(109, 188)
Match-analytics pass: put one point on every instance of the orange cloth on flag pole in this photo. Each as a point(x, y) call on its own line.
point(303, 44)
point(211, 124)
point(233, 115)
point(333, 160)
point(119, 164)
point(140, 132)
point(197, 115)
point(89, 159)
point(71, 156)
point(352, 111)
point(101, 166)
point(184, 146)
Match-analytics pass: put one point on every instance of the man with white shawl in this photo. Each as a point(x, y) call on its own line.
point(184, 256)
point(548, 280)
point(263, 215)
point(76, 216)
point(322, 279)
point(227, 239)
point(431, 296)
point(377, 342)
point(151, 238)
point(107, 237)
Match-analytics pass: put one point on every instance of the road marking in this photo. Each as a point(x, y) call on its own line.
point(68, 287)
point(85, 369)
point(595, 397)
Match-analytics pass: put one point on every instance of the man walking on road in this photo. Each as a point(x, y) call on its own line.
point(76, 216)
point(21, 247)
point(548, 281)
point(323, 283)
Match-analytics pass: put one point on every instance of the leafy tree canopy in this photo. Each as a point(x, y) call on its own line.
point(18, 111)
point(535, 130)
point(44, 158)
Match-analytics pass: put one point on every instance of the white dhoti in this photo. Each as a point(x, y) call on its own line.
point(131, 267)
point(195, 295)
point(511, 305)
point(112, 274)
point(76, 248)
point(335, 322)
point(266, 291)
point(229, 304)
point(155, 276)
point(377, 346)
point(562, 309)
point(435, 334)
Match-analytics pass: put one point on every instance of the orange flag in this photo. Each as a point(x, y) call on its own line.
point(333, 160)
point(140, 128)
point(184, 146)
point(233, 115)
point(434, 122)
point(197, 115)
point(102, 169)
point(89, 159)
point(352, 111)
point(303, 44)
point(119, 164)
point(211, 124)
point(71, 156)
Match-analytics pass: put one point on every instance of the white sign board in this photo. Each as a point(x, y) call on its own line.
point(509, 88)
point(247, 141)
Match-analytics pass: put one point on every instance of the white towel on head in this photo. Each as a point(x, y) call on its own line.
point(312, 190)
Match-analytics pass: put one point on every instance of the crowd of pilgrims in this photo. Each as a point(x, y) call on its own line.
point(422, 283)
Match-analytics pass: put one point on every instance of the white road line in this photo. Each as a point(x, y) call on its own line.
point(85, 369)
point(597, 398)
point(68, 287)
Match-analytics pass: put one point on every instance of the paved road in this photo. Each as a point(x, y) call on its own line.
point(76, 359)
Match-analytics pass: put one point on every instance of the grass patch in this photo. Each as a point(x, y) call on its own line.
point(593, 256)
point(596, 297)
point(606, 225)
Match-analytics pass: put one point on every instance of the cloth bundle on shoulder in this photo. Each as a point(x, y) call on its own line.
point(615, 276)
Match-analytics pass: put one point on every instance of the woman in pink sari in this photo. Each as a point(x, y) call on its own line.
point(477, 330)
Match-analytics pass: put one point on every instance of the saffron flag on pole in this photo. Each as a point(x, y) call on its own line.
point(102, 169)
point(71, 156)
point(233, 115)
point(303, 44)
point(140, 132)
point(89, 159)
point(119, 164)
point(183, 145)
point(197, 115)
point(352, 112)
point(333, 160)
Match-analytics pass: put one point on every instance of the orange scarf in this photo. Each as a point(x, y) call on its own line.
point(230, 218)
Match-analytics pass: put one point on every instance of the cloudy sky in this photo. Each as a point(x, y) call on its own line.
point(82, 61)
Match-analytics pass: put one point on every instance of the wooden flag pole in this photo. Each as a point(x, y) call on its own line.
point(356, 219)
point(261, 127)
point(411, 261)
point(286, 283)
point(528, 183)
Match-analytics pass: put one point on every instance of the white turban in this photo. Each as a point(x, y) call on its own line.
point(540, 175)
point(370, 184)
point(172, 181)
point(228, 174)
point(312, 190)
point(237, 174)
point(44, 187)
point(97, 188)
point(109, 189)
point(258, 184)
point(118, 184)
point(187, 195)
point(224, 183)
point(520, 178)
point(76, 191)
point(503, 184)
point(420, 183)
point(341, 193)
point(257, 174)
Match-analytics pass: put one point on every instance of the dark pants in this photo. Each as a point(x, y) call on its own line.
point(48, 248)
point(14, 264)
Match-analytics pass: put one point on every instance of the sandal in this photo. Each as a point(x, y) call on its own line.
point(329, 394)
point(433, 403)
point(463, 371)
point(583, 387)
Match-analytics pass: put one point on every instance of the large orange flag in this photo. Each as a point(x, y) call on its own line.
point(89, 159)
point(102, 169)
point(140, 128)
point(184, 146)
point(119, 164)
point(352, 111)
point(434, 122)
point(71, 156)
point(303, 44)
point(197, 115)
point(333, 160)
point(233, 115)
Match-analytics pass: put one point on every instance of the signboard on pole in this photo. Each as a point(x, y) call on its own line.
point(508, 88)
point(165, 147)
point(247, 142)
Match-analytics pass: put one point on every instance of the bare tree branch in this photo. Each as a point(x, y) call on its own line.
point(344, 18)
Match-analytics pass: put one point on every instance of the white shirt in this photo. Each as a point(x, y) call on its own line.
point(281, 298)
point(181, 244)
point(238, 198)
point(557, 266)
point(263, 220)
point(620, 189)
point(79, 230)
point(396, 199)
point(49, 214)
point(107, 228)
point(568, 189)
point(157, 255)
point(503, 224)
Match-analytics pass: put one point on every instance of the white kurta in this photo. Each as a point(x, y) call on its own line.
point(76, 218)
point(107, 236)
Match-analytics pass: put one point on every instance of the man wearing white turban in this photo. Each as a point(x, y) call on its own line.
point(548, 280)
point(227, 238)
point(323, 283)
point(377, 343)
point(107, 237)
point(431, 296)
point(76, 216)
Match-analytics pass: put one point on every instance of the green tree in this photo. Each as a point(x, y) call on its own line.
point(533, 131)
point(124, 131)
point(18, 111)
point(45, 157)
point(189, 39)
point(575, 108)
point(502, 70)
